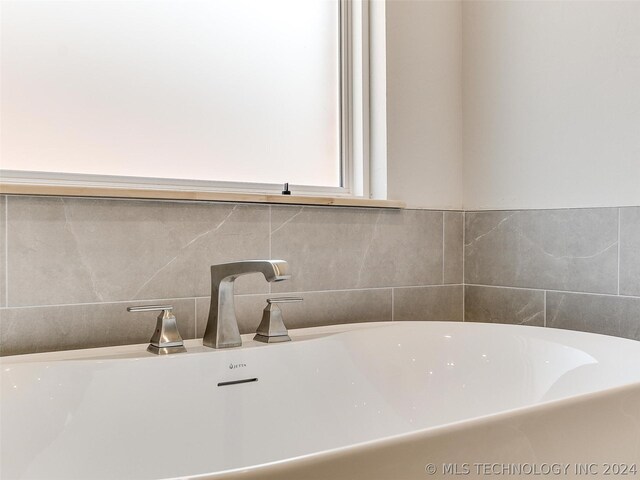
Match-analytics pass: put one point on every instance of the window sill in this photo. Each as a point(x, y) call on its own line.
point(159, 194)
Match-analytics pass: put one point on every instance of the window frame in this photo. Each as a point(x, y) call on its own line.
point(353, 131)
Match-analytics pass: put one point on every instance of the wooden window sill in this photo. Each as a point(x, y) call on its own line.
point(190, 195)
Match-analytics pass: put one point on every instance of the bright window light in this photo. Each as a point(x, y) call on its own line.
point(218, 90)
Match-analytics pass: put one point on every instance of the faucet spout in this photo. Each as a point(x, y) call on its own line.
point(222, 327)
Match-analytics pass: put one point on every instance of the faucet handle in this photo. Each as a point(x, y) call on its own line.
point(272, 329)
point(273, 300)
point(166, 338)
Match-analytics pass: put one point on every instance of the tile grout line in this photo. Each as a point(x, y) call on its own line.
point(270, 249)
point(464, 234)
point(364, 289)
point(6, 251)
point(195, 317)
point(545, 309)
point(116, 302)
point(534, 289)
point(393, 305)
point(463, 305)
point(443, 249)
point(619, 240)
point(270, 229)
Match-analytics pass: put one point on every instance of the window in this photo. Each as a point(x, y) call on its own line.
point(227, 94)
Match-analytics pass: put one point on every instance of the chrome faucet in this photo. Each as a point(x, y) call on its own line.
point(222, 327)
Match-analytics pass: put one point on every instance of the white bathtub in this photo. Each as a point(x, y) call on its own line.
point(385, 401)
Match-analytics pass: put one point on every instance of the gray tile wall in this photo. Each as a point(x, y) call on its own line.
point(577, 269)
point(69, 267)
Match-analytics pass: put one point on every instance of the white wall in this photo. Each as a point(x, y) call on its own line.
point(551, 98)
point(424, 109)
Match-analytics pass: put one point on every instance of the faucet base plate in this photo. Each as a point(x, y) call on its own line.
point(165, 350)
point(272, 339)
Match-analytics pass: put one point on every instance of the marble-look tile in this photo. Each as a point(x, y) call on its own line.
point(3, 251)
point(439, 303)
point(317, 308)
point(66, 251)
point(51, 328)
point(573, 250)
point(453, 242)
point(605, 314)
point(630, 251)
point(343, 248)
point(504, 305)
